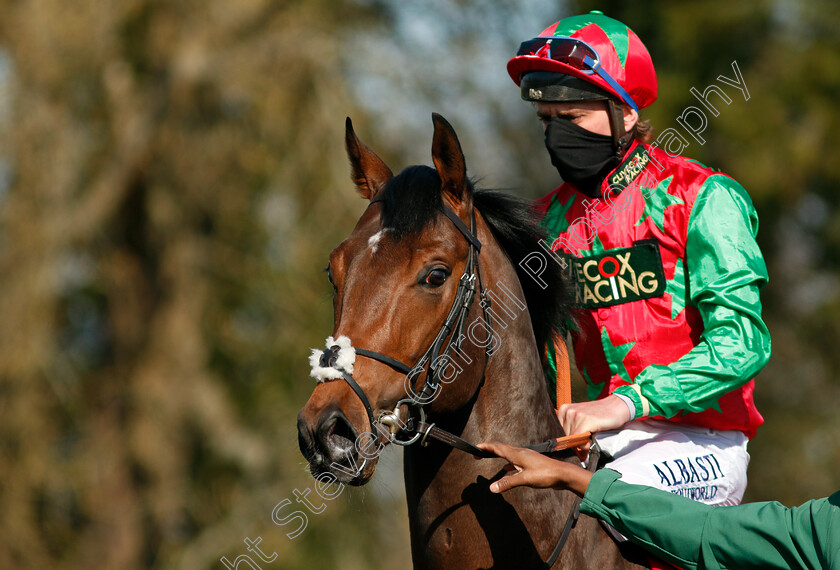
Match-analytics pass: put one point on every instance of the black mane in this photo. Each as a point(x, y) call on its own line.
point(412, 201)
point(514, 225)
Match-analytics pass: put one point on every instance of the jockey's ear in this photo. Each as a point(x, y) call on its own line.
point(449, 160)
point(369, 173)
point(631, 117)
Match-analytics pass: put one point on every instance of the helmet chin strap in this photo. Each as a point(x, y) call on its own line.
point(621, 138)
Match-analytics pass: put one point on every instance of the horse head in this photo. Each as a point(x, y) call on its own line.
point(404, 281)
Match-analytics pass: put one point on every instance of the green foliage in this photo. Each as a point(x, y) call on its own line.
point(178, 175)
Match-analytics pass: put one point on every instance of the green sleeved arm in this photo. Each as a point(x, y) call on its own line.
point(725, 273)
point(693, 535)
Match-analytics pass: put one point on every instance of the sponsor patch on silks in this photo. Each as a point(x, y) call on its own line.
point(618, 275)
point(630, 168)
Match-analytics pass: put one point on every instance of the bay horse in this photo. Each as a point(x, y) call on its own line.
point(403, 272)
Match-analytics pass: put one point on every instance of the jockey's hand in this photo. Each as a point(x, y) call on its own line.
point(535, 470)
point(599, 415)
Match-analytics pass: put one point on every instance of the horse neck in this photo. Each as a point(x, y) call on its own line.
point(447, 488)
point(513, 404)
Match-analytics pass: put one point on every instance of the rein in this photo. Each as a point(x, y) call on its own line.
point(455, 321)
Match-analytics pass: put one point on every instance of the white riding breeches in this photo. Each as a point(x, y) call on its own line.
point(703, 464)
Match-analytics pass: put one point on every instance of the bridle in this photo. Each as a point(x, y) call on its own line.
point(439, 348)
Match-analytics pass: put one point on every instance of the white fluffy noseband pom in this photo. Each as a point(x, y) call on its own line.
point(345, 358)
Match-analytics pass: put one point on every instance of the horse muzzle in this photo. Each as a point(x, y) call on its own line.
point(331, 445)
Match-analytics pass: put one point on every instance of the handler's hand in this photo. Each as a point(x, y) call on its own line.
point(599, 415)
point(536, 470)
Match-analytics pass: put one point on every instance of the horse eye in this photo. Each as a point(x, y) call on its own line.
point(436, 277)
point(330, 276)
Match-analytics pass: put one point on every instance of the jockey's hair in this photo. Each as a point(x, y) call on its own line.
point(643, 131)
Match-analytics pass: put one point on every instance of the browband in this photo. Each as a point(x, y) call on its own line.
point(462, 227)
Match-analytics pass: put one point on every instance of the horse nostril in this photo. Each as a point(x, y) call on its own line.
point(336, 435)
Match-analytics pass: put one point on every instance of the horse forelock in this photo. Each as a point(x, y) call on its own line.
point(412, 201)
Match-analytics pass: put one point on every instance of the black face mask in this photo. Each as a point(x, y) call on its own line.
point(581, 157)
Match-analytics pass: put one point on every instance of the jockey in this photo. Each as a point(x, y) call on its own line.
point(667, 321)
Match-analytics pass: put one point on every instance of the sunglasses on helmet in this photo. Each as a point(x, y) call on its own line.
point(574, 53)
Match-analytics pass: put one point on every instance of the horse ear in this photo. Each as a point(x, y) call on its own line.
point(449, 159)
point(369, 172)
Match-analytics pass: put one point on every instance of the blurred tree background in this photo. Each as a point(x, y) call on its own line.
point(172, 178)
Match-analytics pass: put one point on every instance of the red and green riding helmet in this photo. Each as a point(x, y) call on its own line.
point(596, 49)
